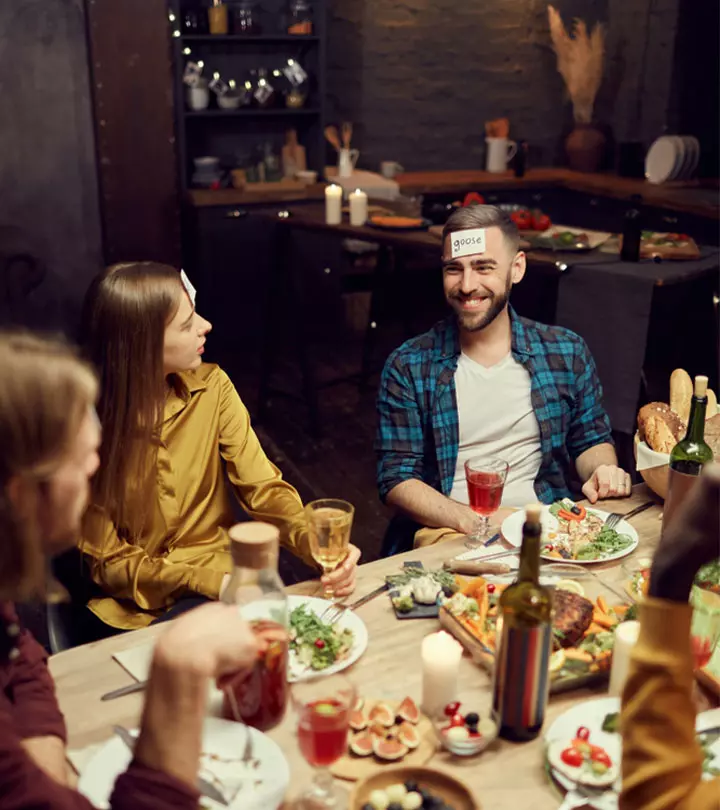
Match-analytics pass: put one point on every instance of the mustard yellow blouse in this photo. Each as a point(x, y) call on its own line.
point(184, 549)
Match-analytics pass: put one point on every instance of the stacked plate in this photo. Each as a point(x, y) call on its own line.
point(672, 157)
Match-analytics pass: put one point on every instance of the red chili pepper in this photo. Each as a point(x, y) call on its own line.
point(583, 733)
point(319, 643)
point(572, 757)
point(452, 708)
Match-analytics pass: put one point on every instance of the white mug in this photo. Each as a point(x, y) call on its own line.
point(389, 168)
point(499, 152)
point(198, 98)
point(347, 161)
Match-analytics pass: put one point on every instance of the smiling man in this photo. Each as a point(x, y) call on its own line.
point(485, 382)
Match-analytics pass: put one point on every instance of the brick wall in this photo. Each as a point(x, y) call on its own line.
point(422, 76)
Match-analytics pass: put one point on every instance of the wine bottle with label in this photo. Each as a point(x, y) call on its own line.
point(521, 681)
point(689, 454)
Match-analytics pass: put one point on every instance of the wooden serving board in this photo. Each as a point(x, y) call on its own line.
point(355, 768)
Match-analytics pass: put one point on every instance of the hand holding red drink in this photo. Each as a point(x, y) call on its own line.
point(485, 482)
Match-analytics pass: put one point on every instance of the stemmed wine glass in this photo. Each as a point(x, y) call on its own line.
point(323, 705)
point(329, 522)
point(485, 479)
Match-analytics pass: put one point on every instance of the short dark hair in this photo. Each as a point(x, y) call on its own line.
point(483, 216)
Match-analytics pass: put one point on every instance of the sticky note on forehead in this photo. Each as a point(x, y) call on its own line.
point(465, 243)
point(189, 289)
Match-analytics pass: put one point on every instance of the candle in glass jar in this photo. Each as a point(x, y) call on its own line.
point(333, 205)
point(441, 656)
point(358, 208)
point(626, 636)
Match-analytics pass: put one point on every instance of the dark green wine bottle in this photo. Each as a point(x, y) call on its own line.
point(689, 454)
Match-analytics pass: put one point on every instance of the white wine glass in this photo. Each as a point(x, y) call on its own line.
point(329, 522)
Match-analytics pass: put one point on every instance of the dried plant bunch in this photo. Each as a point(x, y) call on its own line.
point(579, 62)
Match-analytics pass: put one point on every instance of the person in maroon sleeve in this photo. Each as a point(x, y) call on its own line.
point(49, 439)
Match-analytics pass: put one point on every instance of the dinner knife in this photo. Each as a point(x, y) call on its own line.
point(368, 597)
point(206, 788)
point(638, 509)
point(138, 686)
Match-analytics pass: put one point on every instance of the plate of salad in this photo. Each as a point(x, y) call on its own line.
point(318, 647)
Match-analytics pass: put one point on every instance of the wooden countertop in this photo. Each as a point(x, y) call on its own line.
point(506, 776)
point(694, 197)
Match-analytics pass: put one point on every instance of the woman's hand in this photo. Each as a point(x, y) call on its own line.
point(342, 580)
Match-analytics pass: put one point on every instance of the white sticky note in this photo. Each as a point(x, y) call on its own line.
point(465, 243)
point(189, 289)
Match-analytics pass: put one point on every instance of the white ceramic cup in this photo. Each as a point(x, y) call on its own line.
point(347, 160)
point(198, 98)
point(389, 168)
point(626, 636)
point(499, 152)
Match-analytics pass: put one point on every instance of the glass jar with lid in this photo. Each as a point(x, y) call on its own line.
point(246, 18)
point(259, 697)
point(300, 18)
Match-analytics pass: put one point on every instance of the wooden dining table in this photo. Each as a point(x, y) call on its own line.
point(506, 776)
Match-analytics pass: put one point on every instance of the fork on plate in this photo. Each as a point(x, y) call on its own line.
point(614, 518)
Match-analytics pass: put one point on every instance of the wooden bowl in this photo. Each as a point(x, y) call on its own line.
point(656, 477)
point(451, 790)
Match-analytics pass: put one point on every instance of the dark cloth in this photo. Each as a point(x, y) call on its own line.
point(28, 708)
point(623, 291)
point(180, 607)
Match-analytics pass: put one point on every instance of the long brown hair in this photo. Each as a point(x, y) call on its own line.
point(45, 395)
point(126, 311)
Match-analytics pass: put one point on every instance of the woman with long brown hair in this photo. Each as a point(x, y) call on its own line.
point(155, 533)
point(49, 437)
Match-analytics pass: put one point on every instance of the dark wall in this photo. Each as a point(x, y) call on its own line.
point(48, 202)
point(422, 76)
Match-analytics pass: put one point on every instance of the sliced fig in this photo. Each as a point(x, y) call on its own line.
point(362, 744)
point(378, 731)
point(389, 750)
point(408, 735)
point(359, 703)
point(381, 713)
point(357, 720)
point(409, 711)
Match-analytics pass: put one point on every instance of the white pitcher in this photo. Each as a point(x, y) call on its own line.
point(347, 160)
point(499, 152)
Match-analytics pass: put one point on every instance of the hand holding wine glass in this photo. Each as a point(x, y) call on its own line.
point(329, 522)
point(485, 479)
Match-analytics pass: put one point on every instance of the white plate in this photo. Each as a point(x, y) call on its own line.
point(349, 620)
point(511, 528)
point(220, 737)
point(591, 714)
point(661, 159)
point(680, 153)
point(693, 147)
point(623, 527)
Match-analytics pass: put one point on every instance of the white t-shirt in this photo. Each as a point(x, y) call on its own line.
point(497, 420)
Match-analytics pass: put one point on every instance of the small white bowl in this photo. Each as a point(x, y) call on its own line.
point(469, 747)
point(229, 101)
point(206, 164)
point(309, 178)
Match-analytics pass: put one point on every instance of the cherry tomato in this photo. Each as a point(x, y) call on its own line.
point(549, 547)
point(523, 219)
point(491, 587)
point(452, 709)
point(600, 755)
point(572, 757)
point(319, 643)
point(583, 733)
point(541, 222)
point(683, 237)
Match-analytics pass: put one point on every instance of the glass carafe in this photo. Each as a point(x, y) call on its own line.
point(259, 697)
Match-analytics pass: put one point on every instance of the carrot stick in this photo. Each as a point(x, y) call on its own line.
point(578, 655)
point(602, 604)
point(594, 628)
point(604, 620)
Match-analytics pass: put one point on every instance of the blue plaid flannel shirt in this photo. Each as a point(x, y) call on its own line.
point(417, 435)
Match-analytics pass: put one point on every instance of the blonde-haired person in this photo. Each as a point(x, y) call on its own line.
point(49, 439)
point(173, 427)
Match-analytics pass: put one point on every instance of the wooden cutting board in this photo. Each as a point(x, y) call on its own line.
point(354, 768)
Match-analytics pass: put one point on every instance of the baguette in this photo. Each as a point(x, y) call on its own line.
point(659, 427)
point(681, 391)
point(712, 435)
point(712, 406)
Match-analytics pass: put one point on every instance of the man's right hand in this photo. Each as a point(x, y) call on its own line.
point(691, 540)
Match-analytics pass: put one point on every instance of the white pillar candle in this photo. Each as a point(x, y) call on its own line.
point(333, 205)
point(626, 636)
point(441, 656)
point(358, 208)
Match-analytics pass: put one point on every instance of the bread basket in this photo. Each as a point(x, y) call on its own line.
point(655, 477)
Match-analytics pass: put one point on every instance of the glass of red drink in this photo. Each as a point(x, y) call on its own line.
point(704, 634)
point(323, 705)
point(485, 479)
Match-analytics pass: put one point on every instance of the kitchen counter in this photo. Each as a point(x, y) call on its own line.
point(698, 197)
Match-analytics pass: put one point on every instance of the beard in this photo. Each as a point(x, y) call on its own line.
point(476, 322)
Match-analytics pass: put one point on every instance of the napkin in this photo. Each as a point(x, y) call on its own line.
point(647, 458)
point(136, 660)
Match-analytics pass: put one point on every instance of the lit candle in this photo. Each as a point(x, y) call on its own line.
point(626, 636)
point(333, 205)
point(358, 208)
point(441, 656)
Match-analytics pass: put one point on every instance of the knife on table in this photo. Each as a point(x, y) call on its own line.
point(138, 686)
point(206, 788)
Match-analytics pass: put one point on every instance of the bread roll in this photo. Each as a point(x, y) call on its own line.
point(659, 427)
point(681, 391)
point(712, 406)
point(712, 435)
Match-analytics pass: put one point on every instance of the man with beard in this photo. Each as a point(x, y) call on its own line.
point(487, 383)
